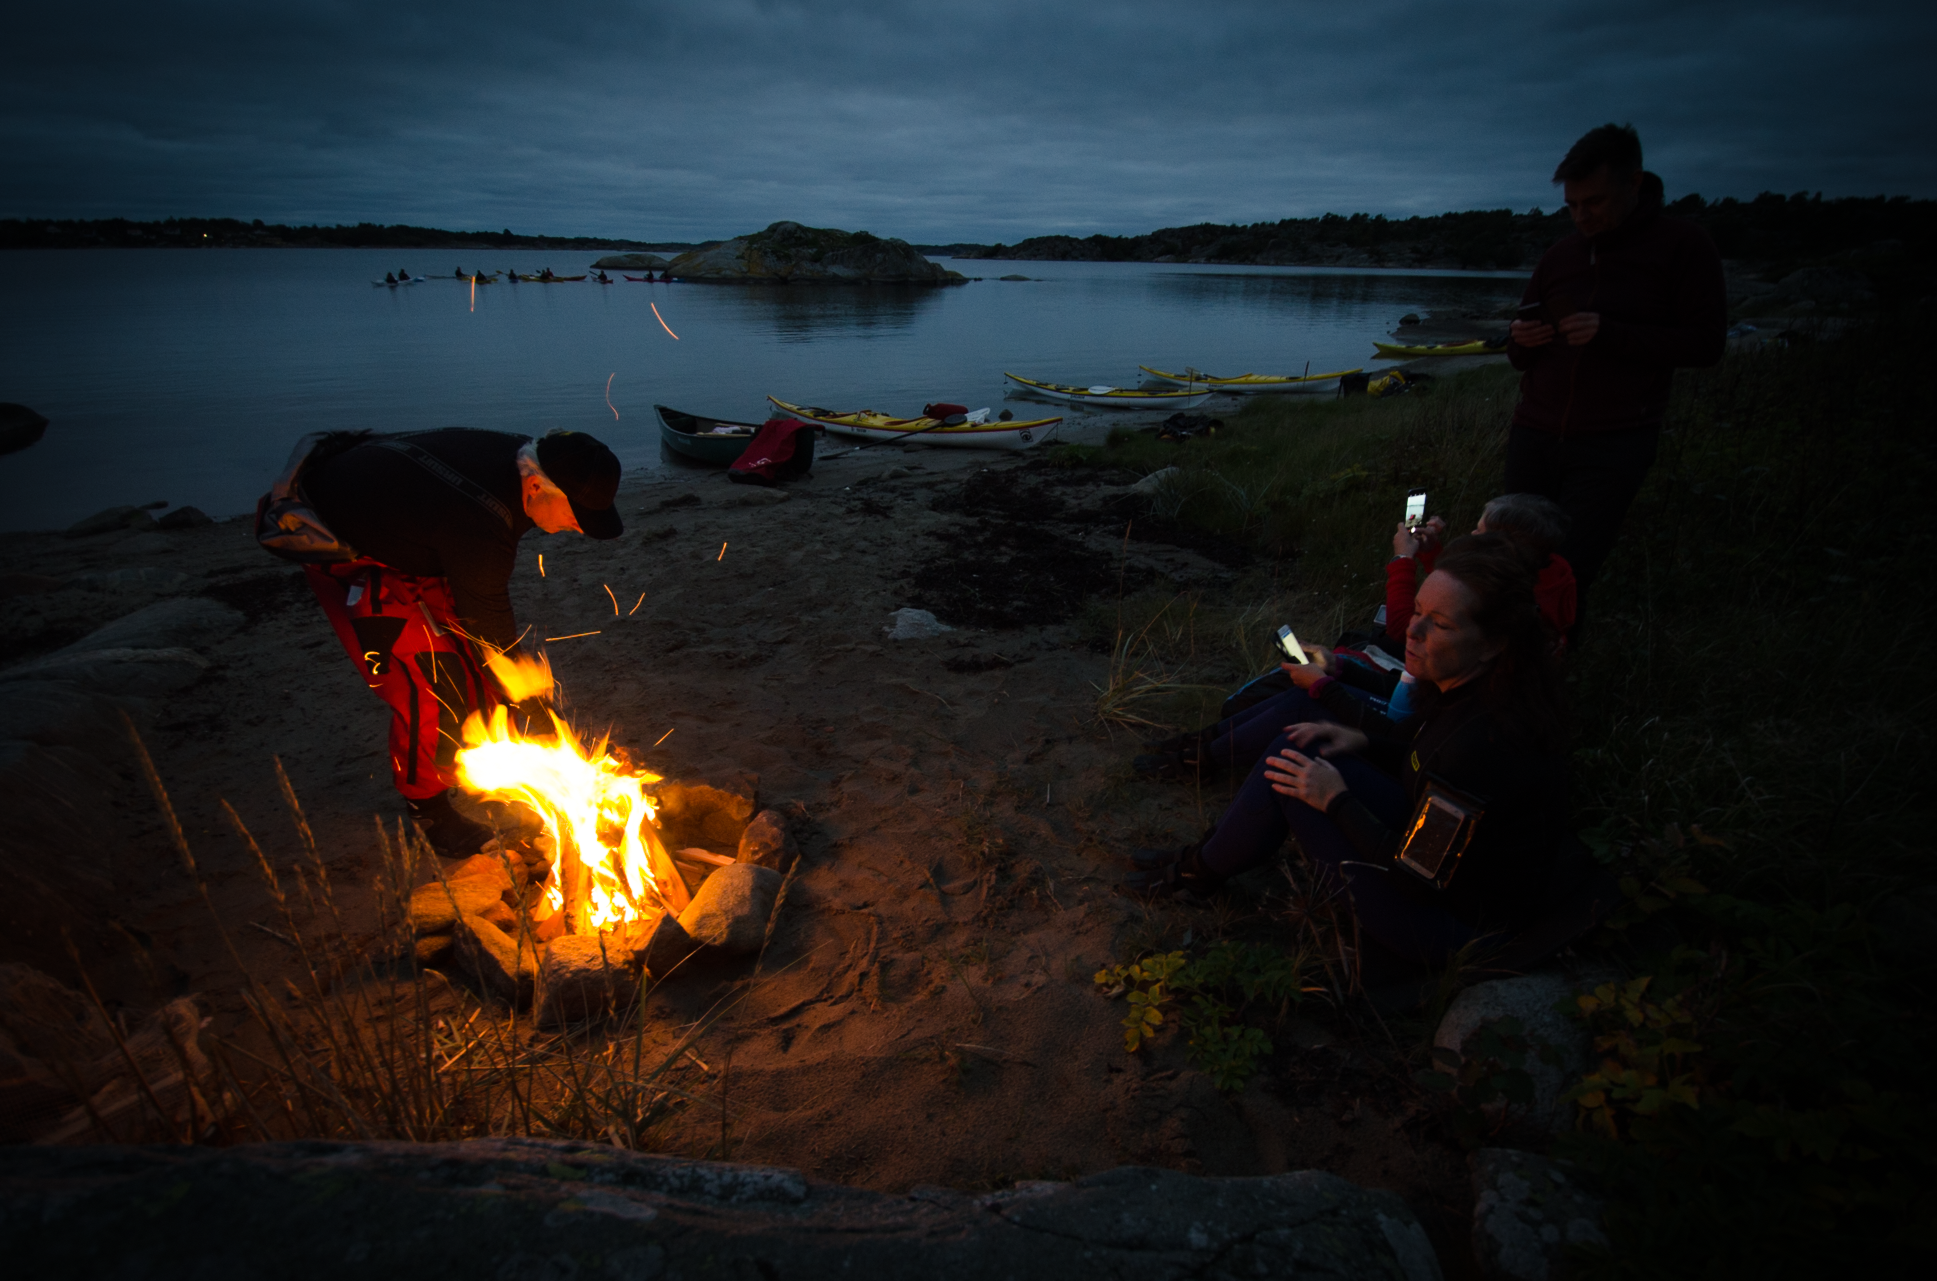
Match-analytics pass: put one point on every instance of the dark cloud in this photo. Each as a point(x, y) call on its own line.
point(935, 121)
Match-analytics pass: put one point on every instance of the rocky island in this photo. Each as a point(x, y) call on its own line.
point(788, 253)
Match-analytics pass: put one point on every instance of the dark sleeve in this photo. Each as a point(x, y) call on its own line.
point(1375, 842)
point(1697, 329)
point(1388, 741)
point(479, 572)
point(1525, 358)
point(1354, 713)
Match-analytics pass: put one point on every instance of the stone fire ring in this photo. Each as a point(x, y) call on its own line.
point(540, 1209)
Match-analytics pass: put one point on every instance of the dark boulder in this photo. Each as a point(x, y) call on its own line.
point(788, 253)
point(511, 1207)
point(19, 428)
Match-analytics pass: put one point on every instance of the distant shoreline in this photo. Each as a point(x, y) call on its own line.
point(1772, 229)
point(232, 233)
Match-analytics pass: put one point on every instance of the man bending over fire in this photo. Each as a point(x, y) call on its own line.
point(408, 541)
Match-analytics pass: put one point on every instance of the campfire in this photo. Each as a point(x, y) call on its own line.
point(571, 918)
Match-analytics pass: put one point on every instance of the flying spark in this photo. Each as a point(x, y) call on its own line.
point(573, 636)
point(615, 599)
point(608, 395)
point(541, 564)
point(635, 605)
point(663, 737)
point(722, 555)
point(662, 320)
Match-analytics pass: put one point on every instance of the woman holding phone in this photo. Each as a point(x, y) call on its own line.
point(1360, 799)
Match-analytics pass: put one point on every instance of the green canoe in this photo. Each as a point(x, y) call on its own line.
point(717, 442)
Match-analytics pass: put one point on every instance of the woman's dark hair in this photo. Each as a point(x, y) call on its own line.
point(1522, 686)
point(1537, 524)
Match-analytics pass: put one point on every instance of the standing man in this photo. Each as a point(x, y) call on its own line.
point(1611, 312)
point(411, 539)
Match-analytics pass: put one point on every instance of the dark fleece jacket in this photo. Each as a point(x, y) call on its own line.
point(1657, 284)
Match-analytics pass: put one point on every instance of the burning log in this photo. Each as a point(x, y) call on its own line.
point(577, 913)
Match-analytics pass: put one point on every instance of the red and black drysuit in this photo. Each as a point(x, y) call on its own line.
point(436, 517)
point(1585, 428)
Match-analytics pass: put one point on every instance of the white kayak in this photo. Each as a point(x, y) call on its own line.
point(1253, 384)
point(1115, 397)
point(976, 433)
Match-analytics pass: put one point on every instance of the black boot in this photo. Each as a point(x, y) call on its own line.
point(1162, 874)
point(449, 832)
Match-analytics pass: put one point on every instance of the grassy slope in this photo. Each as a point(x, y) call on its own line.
point(1755, 669)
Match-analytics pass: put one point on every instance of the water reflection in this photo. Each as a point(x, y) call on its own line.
point(184, 375)
point(809, 313)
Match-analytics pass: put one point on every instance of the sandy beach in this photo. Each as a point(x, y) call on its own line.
point(925, 1013)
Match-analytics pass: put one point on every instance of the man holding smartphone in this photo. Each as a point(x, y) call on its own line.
point(1610, 313)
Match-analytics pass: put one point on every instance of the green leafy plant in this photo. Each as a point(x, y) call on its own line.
point(1144, 983)
point(1646, 1046)
point(1230, 982)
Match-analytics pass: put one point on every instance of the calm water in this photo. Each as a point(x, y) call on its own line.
point(184, 376)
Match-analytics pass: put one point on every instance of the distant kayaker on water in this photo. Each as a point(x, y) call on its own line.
point(1610, 313)
point(412, 563)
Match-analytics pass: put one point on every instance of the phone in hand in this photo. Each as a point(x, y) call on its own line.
point(1293, 651)
point(1415, 509)
point(1536, 313)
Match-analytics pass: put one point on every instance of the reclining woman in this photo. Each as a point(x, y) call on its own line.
point(1489, 731)
point(1357, 695)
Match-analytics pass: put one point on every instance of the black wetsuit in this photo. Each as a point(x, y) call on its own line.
point(394, 509)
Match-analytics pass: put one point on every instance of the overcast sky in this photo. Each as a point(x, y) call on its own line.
point(935, 121)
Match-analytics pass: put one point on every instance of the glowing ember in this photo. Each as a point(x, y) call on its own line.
point(612, 870)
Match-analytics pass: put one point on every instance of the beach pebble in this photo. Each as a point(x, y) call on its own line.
point(767, 842)
point(914, 624)
point(730, 911)
point(435, 907)
point(582, 977)
point(506, 967)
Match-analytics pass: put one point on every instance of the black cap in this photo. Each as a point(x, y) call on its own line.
point(588, 473)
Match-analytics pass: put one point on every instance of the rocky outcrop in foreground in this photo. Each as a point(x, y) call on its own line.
point(532, 1209)
point(788, 253)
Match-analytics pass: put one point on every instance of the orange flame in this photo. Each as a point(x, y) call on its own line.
point(612, 868)
point(520, 677)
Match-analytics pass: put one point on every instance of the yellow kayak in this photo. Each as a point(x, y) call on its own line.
point(1252, 384)
point(1115, 397)
point(974, 434)
point(1478, 347)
